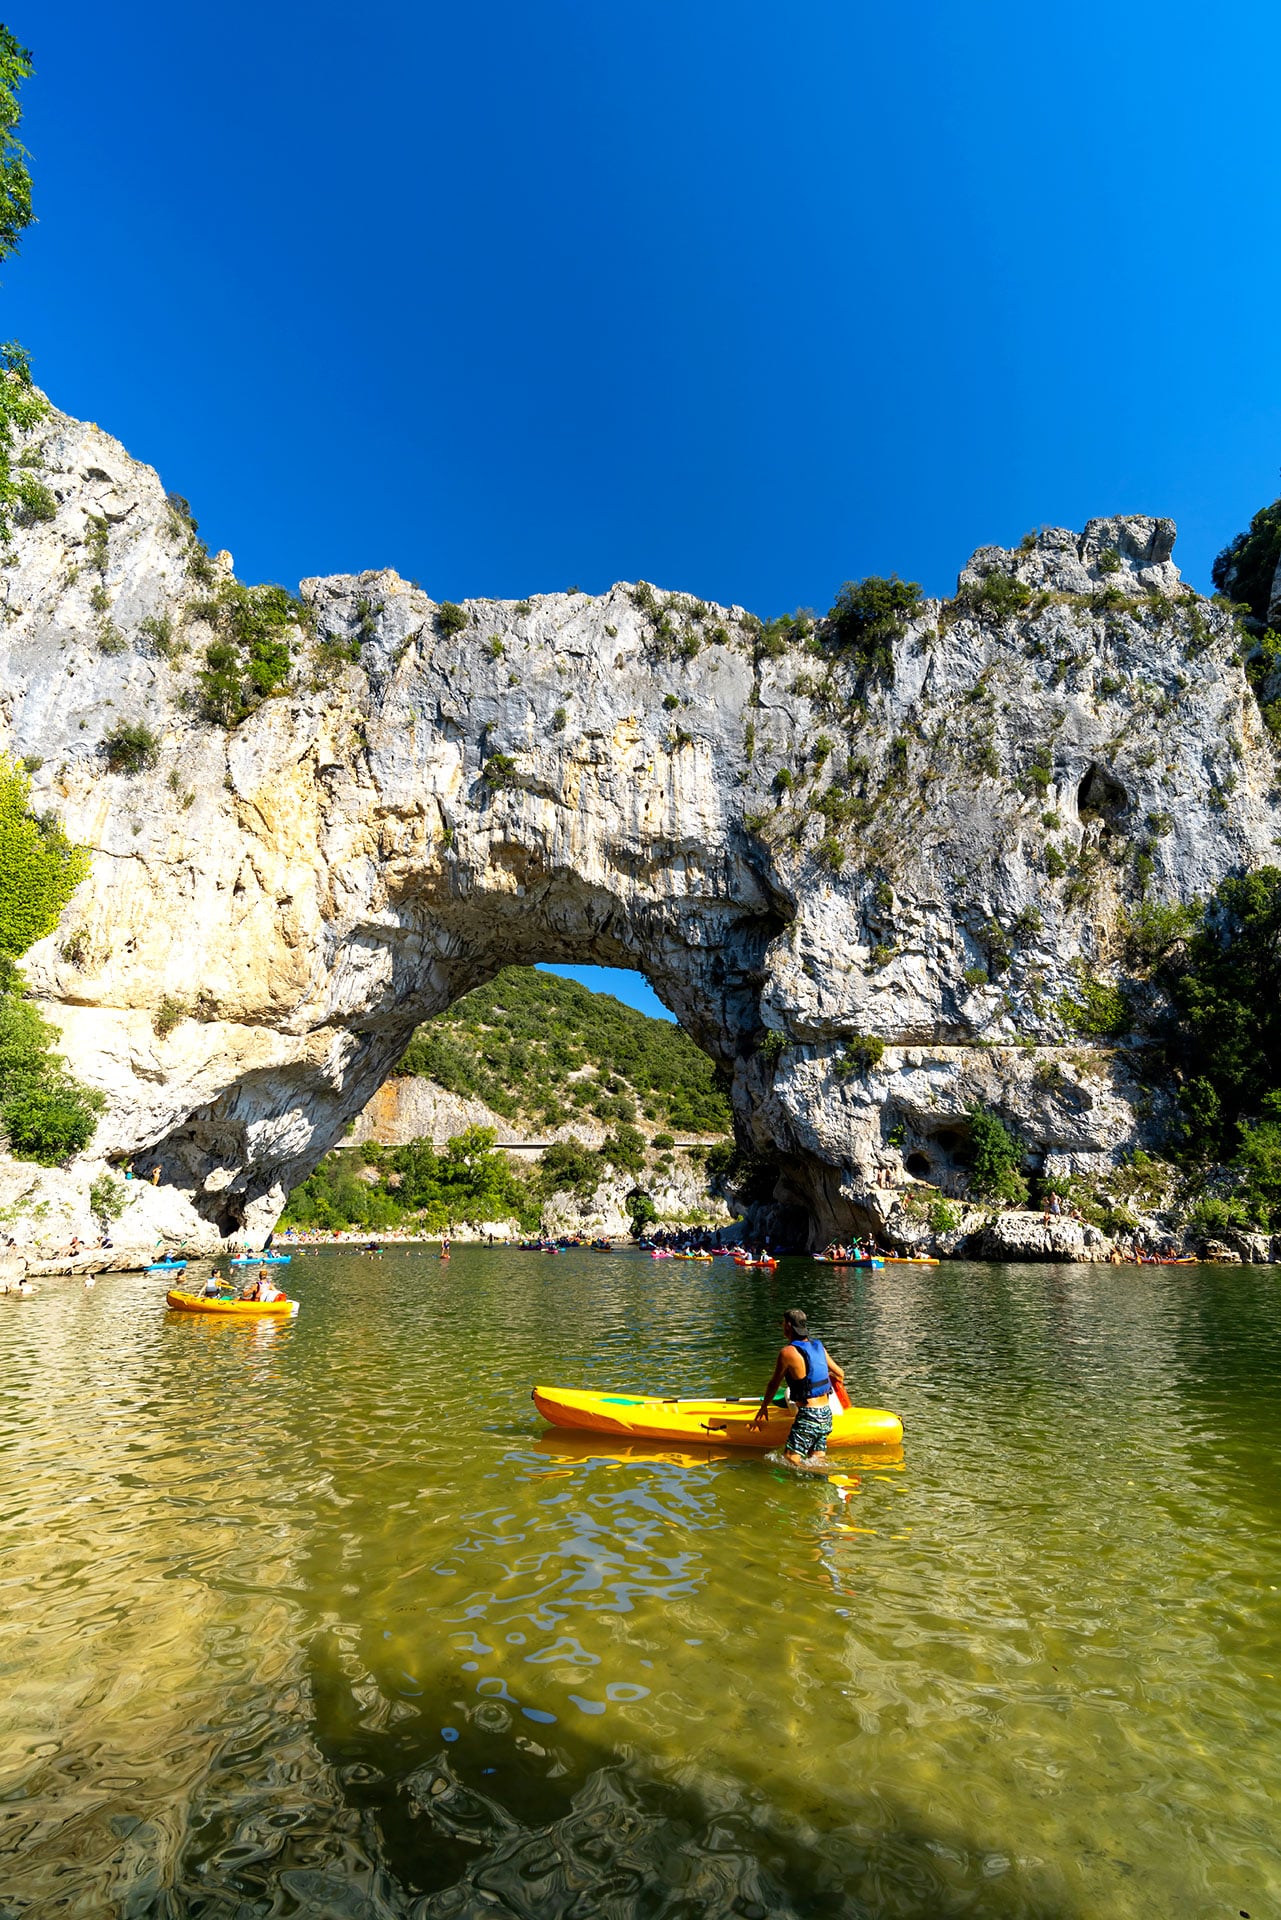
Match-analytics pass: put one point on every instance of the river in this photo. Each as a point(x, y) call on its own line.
point(311, 1619)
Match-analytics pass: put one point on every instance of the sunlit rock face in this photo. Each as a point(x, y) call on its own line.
point(627, 780)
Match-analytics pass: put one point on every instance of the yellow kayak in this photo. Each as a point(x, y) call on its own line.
point(706, 1423)
point(198, 1303)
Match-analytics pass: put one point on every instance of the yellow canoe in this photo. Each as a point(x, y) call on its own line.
point(707, 1423)
point(198, 1303)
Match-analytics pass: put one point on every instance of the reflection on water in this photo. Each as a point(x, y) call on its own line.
point(312, 1618)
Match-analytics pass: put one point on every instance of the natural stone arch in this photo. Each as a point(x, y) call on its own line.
point(272, 909)
point(706, 962)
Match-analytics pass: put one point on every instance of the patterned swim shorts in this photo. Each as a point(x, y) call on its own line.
point(810, 1431)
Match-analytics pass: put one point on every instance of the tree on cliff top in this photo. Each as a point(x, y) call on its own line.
point(1247, 567)
point(15, 181)
point(20, 405)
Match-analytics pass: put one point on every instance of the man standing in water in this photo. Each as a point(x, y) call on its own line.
point(810, 1374)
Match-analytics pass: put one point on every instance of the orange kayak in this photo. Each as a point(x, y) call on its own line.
point(199, 1303)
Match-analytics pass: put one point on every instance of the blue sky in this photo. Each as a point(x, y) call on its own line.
point(742, 299)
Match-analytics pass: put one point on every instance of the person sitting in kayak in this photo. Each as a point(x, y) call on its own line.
point(811, 1374)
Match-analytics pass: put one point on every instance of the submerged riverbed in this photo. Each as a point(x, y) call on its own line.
point(312, 1619)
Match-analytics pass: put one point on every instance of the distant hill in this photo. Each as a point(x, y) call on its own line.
point(540, 1049)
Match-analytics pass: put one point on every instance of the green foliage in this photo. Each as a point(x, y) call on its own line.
point(942, 1217)
point(98, 540)
point(500, 771)
point(641, 1211)
point(559, 720)
point(1225, 987)
point(624, 1148)
point(830, 853)
point(567, 1166)
point(1098, 1009)
point(998, 596)
point(21, 407)
point(15, 180)
point(35, 502)
point(995, 1173)
point(1109, 561)
point(169, 1014)
point(1055, 864)
point(532, 1045)
point(39, 868)
point(1153, 933)
point(158, 628)
point(862, 1052)
point(415, 1184)
point(1214, 1215)
point(662, 1143)
point(451, 619)
point(773, 1046)
point(107, 1198)
point(868, 616)
point(131, 747)
point(1039, 773)
point(252, 655)
point(789, 629)
point(45, 1115)
point(1245, 569)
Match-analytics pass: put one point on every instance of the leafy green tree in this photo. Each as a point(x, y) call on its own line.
point(995, 1173)
point(641, 1211)
point(45, 1115)
point(868, 616)
point(1247, 566)
point(1226, 992)
point(39, 868)
point(569, 1167)
point(21, 407)
point(15, 180)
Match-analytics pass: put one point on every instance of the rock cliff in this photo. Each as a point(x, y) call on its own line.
point(932, 841)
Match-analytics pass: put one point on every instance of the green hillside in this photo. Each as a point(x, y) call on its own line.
point(541, 1050)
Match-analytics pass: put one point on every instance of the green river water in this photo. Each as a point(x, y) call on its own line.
point(311, 1619)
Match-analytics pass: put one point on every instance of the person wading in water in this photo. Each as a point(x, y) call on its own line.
point(811, 1375)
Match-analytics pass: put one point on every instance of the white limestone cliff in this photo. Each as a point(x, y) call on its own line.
point(624, 779)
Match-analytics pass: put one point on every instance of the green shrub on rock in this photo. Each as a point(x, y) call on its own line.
point(131, 748)
point(996, 1170)
point(251, 657)
point(868, 616)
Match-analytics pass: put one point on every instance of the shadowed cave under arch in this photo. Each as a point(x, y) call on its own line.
point(708, 970)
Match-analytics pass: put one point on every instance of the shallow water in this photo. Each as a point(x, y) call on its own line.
point(311, 1619)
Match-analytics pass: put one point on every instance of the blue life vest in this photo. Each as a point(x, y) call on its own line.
point(816, 1385)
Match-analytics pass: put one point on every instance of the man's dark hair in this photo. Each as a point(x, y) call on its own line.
point(797, 1320)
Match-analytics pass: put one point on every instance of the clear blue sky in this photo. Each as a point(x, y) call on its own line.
point(742, 299)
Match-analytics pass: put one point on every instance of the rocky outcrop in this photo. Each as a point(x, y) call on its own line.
point(799, 843)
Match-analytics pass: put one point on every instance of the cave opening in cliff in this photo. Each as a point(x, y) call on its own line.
point(1101, 796)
